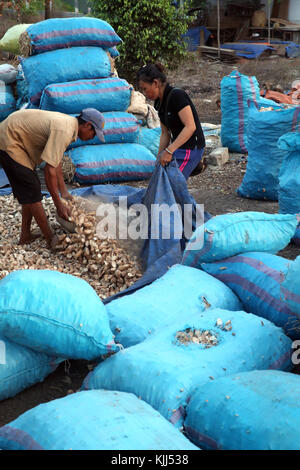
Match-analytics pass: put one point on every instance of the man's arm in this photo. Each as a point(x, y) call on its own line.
point(61, 184)
point(52, 185)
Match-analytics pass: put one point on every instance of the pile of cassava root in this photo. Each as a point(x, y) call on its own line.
point(104, 264)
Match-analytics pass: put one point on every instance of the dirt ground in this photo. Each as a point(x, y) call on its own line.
point(215, 188)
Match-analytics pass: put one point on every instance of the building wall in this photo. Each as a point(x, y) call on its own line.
point(294, 11)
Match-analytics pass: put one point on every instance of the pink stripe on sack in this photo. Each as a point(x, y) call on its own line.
point(120, 161)
point(254, 289)
point(120, 119)
point(198, 437)
point(118, 174)
point(241, 113)
point(186, 158)
point(90, 91)
point(120, 130)
point(72, 32)
point(252, 88)
point(62, 45)
point(110, 346)
point(19, 437)
point(177, 415)
point(295, 118)
point(288, 295)
point(96, 81)
point(278, 276)
point(205, 249)
point(281, 360)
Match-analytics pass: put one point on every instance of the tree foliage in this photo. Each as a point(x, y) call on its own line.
point(151, 31)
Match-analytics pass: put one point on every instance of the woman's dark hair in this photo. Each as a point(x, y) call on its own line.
point(150, 72)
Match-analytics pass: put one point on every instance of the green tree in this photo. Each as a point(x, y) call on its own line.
point(151, 31)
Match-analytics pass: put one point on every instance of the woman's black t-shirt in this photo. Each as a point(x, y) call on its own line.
point(178, 100)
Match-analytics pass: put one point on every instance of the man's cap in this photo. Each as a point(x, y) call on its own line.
point(96, 118)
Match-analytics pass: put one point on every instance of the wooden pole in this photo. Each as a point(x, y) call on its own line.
point(219, 43)
point(269, 20)
point(47, 9)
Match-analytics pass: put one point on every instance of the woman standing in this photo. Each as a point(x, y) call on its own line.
point(182, 137)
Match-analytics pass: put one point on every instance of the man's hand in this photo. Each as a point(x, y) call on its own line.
point(165, 158)
point(63, 211)
point(67, 196)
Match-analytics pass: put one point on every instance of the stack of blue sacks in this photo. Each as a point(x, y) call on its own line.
point(70, 68)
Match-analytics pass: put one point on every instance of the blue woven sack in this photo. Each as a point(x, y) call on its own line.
point(236, 89)
point(113, 52)
point(230, 234)
point(290, 287)
point(165, 371)
point(184, 291)
point(105, 94)
point(93, 420)
point(54, 313)
point(258, 280)
point(261, 180)
point(7, 102)
point(74, 64)
point(289, 184)
point(21, 88)
point(21, 367)
point(257, 410)
point(111, 163)
point(119, 128)
point(58, 33)
point(150, 139)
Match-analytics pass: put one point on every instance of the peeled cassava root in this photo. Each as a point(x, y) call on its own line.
point(102, 263)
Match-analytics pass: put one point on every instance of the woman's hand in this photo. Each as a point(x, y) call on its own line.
point(165, 158)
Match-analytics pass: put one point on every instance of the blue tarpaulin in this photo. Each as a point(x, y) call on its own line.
point(192, 37)
point(253, 50)
point(245, 49)
point(3, 179)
